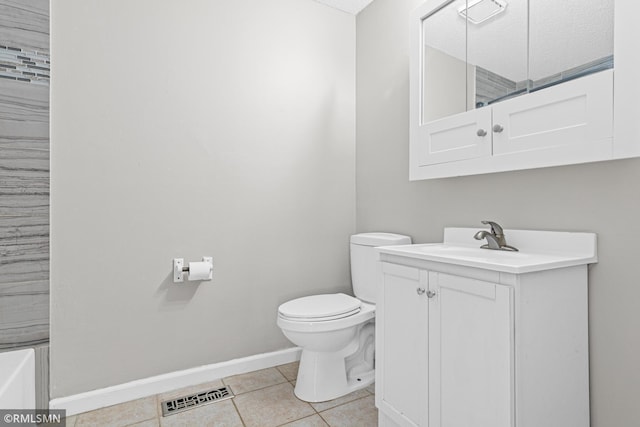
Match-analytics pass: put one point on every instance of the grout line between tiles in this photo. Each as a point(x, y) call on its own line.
point(251, 391)
point(299, 419)
point(238, 412)
point(158, 409)
point(323, 419)
point(143, 421)
point(337, 406)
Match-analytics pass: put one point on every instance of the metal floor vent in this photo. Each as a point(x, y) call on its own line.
point(184, 403)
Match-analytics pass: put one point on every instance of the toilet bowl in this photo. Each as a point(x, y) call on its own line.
point(336, 331)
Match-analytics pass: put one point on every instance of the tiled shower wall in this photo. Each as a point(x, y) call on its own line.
point(24, 174)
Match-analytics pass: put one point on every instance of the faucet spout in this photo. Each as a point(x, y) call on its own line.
point(497, 231)
point(480, 235)
point(495, 238)
point(492, 242)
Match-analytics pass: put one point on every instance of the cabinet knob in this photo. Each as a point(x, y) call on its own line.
point(481, 132)
point(497, 128)
point(431, 294)
point(420, 291)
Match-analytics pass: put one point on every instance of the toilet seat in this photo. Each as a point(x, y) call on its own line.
point(320, 308)
point(366, 312)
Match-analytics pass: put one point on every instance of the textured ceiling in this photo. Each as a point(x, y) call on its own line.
point(564, 34)
point(349, 6)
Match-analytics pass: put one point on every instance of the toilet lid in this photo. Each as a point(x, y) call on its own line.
point(320, 307)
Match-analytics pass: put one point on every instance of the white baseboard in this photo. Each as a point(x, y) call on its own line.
point(121, 393)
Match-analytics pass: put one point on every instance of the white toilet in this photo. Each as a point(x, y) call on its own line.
point(336, 331)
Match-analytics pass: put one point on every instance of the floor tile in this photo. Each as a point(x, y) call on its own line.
point(359, 413)
point(290, 370)
point(271, 406)
point(312, 421)
point(124, 414)
point(149, 423)
point(69, 422)
point(264, 398)
point(323, 406)
point(254, 380)
point(218, 414)
point(371, 388)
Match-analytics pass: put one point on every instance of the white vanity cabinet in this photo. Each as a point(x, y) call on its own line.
point(474, 340)
point(531, 86)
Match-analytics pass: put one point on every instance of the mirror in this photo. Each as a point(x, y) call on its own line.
point(478, 52)
point(445, 88)
point(569, 39)
point(497, 50)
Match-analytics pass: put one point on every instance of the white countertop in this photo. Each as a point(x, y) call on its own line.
point(538, 250)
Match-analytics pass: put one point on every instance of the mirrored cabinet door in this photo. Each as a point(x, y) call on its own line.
point(567, 115)
point(449, 127)
point(445, 74)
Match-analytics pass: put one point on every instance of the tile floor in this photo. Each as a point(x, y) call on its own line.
point(262, 399)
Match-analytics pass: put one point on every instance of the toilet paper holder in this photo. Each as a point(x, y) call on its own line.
point(203, 269)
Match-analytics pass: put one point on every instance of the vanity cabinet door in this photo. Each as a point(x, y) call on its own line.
point(471, 353)
point(401, 346)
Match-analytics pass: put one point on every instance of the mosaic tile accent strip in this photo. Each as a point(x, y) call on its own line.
point(25, 66)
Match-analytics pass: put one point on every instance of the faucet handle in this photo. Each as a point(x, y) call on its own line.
point(496, 229)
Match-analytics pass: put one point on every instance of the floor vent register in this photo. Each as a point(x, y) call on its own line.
point(191, 401)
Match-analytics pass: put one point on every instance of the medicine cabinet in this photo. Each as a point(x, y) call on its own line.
point(500, 85)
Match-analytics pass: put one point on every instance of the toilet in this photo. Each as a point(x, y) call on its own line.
point(336, 331)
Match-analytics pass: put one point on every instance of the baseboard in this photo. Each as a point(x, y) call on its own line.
point(121, 393)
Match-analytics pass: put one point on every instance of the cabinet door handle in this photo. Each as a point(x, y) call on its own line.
point(497, 128)
point(431, 294)
point(481, 132)
point(420, 291)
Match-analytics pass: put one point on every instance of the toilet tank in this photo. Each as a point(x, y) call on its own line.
point(365, 265)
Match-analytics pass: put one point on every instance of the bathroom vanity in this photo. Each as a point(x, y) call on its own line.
point(485, 338)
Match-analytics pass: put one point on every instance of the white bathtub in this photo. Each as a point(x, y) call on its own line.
point(17, 379)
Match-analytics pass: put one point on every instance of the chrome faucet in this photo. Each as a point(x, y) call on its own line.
point(495, 238)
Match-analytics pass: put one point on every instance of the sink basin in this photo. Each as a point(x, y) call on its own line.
point(466, 252)
point(539, 250)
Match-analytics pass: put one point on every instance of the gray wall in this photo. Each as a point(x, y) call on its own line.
point(223, 129)
point(600, 197)
point(24, 173)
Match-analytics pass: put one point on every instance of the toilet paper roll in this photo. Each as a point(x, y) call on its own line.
point(200, 270)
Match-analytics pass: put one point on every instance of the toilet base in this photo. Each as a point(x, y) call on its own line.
point(320, 385)
point(325, 376)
